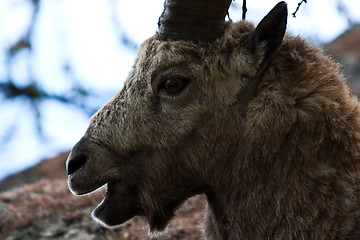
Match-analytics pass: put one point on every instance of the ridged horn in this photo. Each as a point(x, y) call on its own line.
point(193, 19)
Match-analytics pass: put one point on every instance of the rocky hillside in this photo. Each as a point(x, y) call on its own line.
point(45, 209)
point(50, 169)
point(346, 50)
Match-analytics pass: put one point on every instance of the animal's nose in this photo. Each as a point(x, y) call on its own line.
point(75, 162)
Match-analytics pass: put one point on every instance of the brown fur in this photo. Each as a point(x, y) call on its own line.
point(282, 164)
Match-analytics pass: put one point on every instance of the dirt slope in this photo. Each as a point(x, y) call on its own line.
point(45, 209)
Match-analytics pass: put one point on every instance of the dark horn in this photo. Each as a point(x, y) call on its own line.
point(193, 19)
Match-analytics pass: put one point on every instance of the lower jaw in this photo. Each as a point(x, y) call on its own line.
point(119, 205)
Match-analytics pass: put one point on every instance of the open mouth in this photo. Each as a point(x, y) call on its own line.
point(119, 204)
point(87, 174)
point(121, 201)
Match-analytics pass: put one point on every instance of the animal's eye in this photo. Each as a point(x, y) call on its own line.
point(173, 83)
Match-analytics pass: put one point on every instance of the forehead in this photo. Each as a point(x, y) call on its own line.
point(154, 54)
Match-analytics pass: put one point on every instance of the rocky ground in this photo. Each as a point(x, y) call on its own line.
point(45, 209)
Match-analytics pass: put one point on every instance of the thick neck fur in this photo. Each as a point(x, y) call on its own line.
point(295, 174)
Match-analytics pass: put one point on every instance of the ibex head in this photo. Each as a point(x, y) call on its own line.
point(172, 131)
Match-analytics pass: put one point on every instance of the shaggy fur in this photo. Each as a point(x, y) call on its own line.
point(278, 159)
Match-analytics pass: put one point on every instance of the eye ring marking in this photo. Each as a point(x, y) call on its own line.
point(173, 83)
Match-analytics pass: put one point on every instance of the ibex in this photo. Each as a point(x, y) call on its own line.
point(260, 122)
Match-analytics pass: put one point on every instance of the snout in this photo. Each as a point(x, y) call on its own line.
point(75, 162)
point(80, 177)
point(90, 166)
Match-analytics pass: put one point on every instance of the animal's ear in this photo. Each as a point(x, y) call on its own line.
point(268, 35)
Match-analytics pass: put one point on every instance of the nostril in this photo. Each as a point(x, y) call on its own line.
point(75, 162)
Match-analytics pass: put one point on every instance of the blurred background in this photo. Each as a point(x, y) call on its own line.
point(61, 60)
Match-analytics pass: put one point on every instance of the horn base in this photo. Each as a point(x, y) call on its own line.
point(201, 20)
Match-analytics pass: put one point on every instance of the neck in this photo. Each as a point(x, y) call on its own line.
point(277, 191)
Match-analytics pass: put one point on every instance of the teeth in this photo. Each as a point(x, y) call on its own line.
point(107, 190)
point(111, 186)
